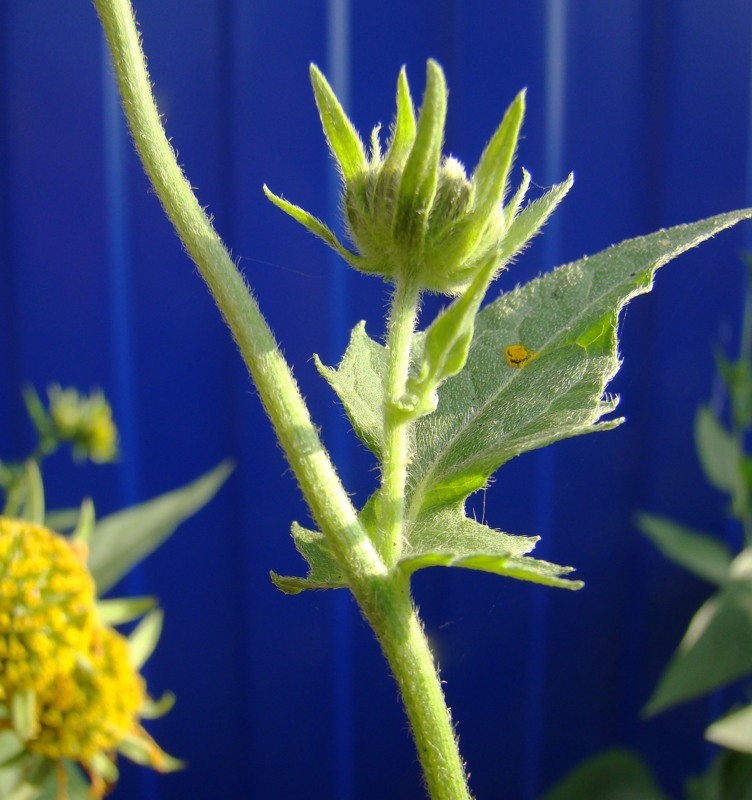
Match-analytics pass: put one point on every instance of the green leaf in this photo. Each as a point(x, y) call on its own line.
point(32, 508)
point(359, 384)
point(125, 538)
point(120, 610)
point(715, 650)
point(733, 731)
point(421, 173)
point(447, 538)
point(144, 751)
point(11, 746)
point(77, 787)
point(63, 519)
point(154, 709)
point(23, 712)
point(614, 775)
point(324, 573)
point(491, 412)
point(718, 452)
point(143, 640)
point(340, 133)
point(699, 553)
point(317, 228)
point(729, 778)
point(85, 522)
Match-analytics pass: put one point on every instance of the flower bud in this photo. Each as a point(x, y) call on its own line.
point(412, 213)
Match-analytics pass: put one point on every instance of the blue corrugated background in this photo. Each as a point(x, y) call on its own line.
point(648, 101)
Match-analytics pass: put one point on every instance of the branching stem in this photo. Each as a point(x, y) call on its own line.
point(382, 593)
point(397, 444)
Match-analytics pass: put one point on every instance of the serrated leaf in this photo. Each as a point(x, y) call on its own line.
point(715, 650)
point(342, 137)
point(359, 384)
point(699, 553)
point(324, 572)
point(718, 452)
point(447, 538)
point(613, 775)
point(491, 412)
point(734, 731)
point(125, 538)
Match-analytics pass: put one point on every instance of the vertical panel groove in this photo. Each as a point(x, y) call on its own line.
point(119, 272)
point(338, 67)
point(554, 121)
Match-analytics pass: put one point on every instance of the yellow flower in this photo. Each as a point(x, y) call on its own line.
point(95, 706)
point(47, 609)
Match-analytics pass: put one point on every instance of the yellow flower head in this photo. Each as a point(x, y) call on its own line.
point(94, 707)
point(47, 609)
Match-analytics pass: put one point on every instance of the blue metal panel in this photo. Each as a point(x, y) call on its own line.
point(647, 101)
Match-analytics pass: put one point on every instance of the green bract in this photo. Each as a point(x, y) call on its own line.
point(413, 213)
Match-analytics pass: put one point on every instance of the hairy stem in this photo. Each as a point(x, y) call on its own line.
point(402, 319)
point(276, 385)
point(390, 610)
point(382, 594)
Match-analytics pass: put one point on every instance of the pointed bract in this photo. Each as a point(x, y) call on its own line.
point(342, 137)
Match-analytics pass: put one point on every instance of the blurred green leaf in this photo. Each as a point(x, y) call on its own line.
point(10, 747)
point(715, 650)
point(734, 731)
point(718, 453)
point(77, 786)
point(120, 610)
point(23, 712)
point(613, 775)
point(699, 553)
point(729, 778)
point(125, 538)
point(143, 640)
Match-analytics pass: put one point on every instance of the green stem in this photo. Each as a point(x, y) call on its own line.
point(382, 594)
point(397, 444)
point(276, 385)
point(390, 610)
